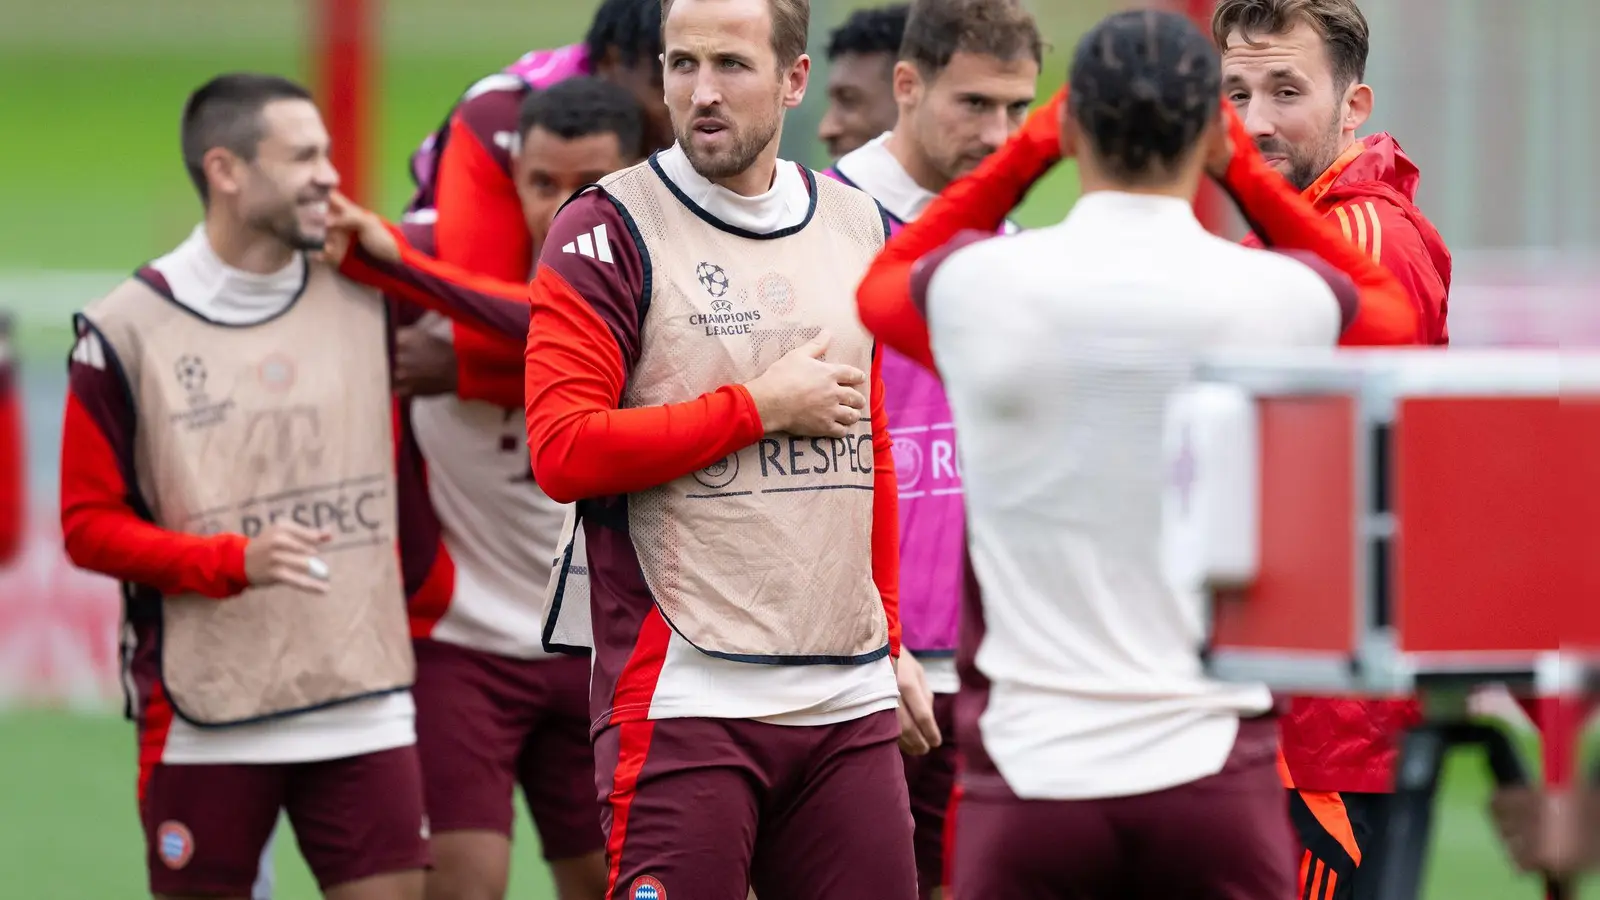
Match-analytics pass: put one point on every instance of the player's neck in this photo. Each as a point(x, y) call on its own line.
point(246, 249)
point(911, 158)
point(758, 178)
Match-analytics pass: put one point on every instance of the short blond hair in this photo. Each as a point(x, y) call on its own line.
point(791, 27)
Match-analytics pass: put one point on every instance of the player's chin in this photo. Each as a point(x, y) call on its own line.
point(311, 238)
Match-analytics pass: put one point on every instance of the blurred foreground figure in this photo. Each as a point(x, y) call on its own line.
point(13, 452)
point(230, 453)
point(1082, 685)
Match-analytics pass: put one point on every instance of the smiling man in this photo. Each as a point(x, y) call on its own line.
point(231, 455)
point(1293, 69)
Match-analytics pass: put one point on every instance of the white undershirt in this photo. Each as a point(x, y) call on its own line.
point(201, 281)
point(691, 682)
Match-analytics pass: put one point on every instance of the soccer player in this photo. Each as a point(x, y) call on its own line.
point(968, 72)
point(13, 452)
point(1100, 760)
point(861, 60)
point(466, 187)
point(229, 454)
point(1293, 69)
point(574, 134)
point(495, 710)
point(698, 382)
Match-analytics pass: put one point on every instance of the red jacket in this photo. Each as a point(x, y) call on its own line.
point(12, 454)
point(1352, 745)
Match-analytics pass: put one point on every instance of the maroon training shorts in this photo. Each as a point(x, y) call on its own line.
point(931, 779)
point(486, 723)
point(706, 809)
point(1226, 837)
point(206, 825)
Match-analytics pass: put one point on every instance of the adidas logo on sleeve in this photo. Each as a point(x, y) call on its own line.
point(595, 244)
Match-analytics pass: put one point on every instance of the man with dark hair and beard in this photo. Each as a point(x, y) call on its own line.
point(698, 382)
point(233, 455)
point(1293, 69)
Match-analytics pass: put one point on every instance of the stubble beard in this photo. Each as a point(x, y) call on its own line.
point(745, 149)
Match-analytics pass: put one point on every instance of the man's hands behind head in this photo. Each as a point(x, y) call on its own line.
point(804, 395)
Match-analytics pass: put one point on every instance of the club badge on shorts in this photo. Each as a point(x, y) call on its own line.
point(646, 888)
point(174, 844)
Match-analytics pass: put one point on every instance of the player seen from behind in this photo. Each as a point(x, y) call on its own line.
point(1101, 762)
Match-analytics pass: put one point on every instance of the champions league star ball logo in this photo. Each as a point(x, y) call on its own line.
point(712, 278)
point(191, 374)
point(646, 888)
point(719, 474)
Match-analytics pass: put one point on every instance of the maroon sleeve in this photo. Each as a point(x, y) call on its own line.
point(617, 289)
point(1344, 289)
point(922, 273)
point(492, 114)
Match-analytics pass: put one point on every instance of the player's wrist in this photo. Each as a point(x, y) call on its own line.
point(768, 404)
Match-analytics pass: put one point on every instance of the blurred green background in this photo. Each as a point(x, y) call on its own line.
point(91, 186)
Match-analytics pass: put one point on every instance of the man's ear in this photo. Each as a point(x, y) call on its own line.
point(908, 84)
point(796, 80)
point(1357, 107)
point(222, 168)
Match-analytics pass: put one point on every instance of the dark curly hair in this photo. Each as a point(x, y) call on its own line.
point(1145, 84)
point(631, 27)
point(870, 31)
point(580, 107)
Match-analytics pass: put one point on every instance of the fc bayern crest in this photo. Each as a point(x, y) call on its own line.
point(174, 844)
point(646, 888)
point(276, 372)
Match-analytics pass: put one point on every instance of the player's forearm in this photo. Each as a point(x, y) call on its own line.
point(115, 542)
point(102, 532)
point(591, 451)
point(885, 512)
point(496, 306)
point(1386, 313)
